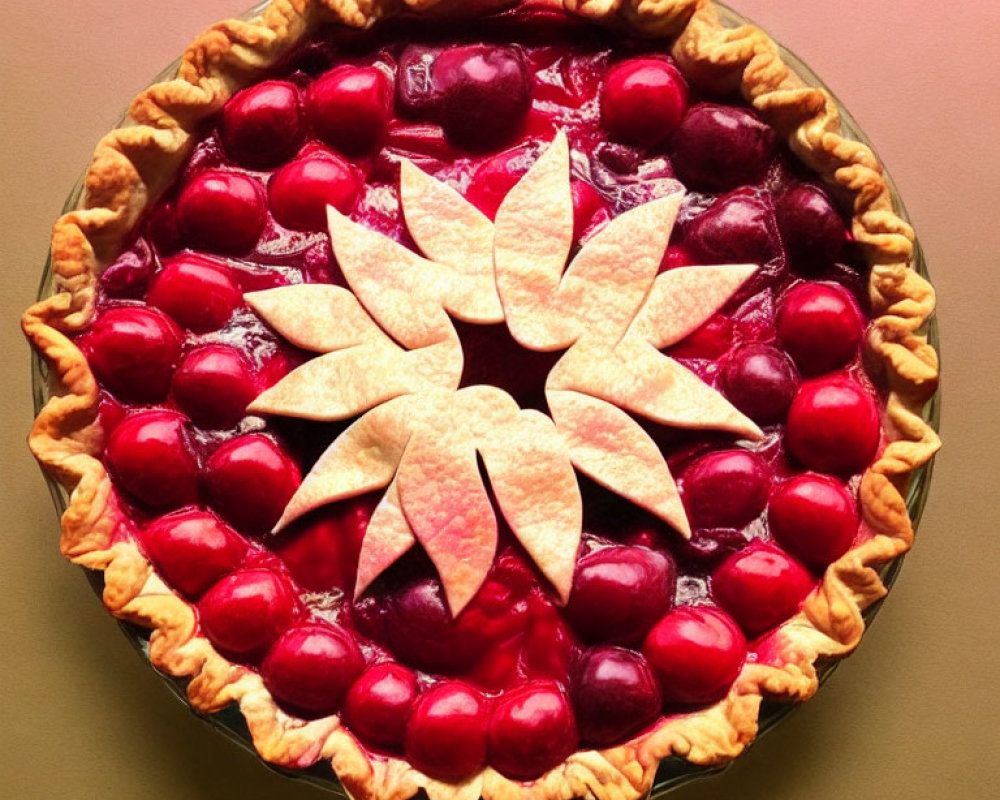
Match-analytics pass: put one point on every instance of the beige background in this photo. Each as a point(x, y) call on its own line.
point(912, 715)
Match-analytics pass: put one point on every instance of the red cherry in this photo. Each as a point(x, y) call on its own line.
point(133, 351)
point(262, 125)
point(711, 341)
point(615, 695)
point(495, 177)
point(643, 101)
point(814, 517)
point(446, 734)
point(129, 274)
point(192, 549)
point(149, 457)
point(833, 426)
point(379, 704)
point(589, 208)
point(531, 731)
point(604, 604)
point(311, 667)
point(196, 291)
point(761, 586)
point(677, 255)
point(819, 324)
point(222, 211)
point(213, 385)
point(811, 227)
point(301, 190)
point(350, 108)
point(725, 489)
point(760, 381)
point(250, 480)
point(739, 228)
point(697, 653)
point(246, 612)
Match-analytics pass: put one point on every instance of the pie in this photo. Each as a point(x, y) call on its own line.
point(489, 398)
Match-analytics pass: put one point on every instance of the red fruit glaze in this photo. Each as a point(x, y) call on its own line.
point(813, 517)
point(725, 489)
point(246, 612)
point(833, 426)
point(760, 381)
point(531, 730)
point(819, 324)
point(302, 189)
point(222, 211)
point(379, 704)
point(249, 481)
point(643, 101)
point(132, 351)
point(192, 549)
point(262, 126)
point(198, 292)
point(761, 587)
point(697, 652)
point(311, 667)
point(350, 107)
point(615, 694)
point(213, 385)
point(149, 457)
point(446, 734)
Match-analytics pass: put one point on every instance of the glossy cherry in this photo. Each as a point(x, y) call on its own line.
point(213, 385)
point(738, 228)
point(129, 274)
point(531, 730)
point(811, 227)
point(302, 189)
point(262, 125)
point(446, 733)
point(760, 380)
point(761, 587)
point(589, 208)
point(222, 211)
point(199, 293)
point(643, 101)
point(379, 705)
point(192, 549)
point(148, 455)
point(496, 176)
point(311, 667)
point(245, 612)
point(725, 489)
point(813, 517)
point(615, 694)
point(819, 324)
point(350, 107)
point(711, 341)
point(249, 481)
point(133, 351)
point(696, 652)
point(833, 425)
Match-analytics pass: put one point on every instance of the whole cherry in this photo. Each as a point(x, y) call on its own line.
point(819, 324)
point(213, 385)
point(615, 694)
point(725, 489)
point(379, 704)
point(643, 101)
point(222, 211)
point(531, 730)
point(811, 228)
point(446, 733)
point(262, 125)
point(302, 189)
point(199, 293)
point(813, 517)
point(350, 107)
point(760, 380)
point(738, 228)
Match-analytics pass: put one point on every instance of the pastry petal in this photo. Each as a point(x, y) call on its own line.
point(387, 538)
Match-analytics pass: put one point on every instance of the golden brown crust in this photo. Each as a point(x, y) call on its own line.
point(133, 165)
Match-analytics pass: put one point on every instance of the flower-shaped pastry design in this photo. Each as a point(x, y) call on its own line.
point(390, 353)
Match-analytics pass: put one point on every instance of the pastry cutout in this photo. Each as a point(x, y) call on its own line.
point(390, 353)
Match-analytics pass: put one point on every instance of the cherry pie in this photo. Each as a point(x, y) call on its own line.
point(488, 398)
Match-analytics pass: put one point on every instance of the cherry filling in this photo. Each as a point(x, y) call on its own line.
point(655, 625)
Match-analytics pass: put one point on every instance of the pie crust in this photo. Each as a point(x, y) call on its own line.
point(133, 165)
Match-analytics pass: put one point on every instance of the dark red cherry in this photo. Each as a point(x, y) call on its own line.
point(379, 704)
point(495, 177)
point(760, 380)
point(725, 489)
point(416, 95)
point(250, 480)
point(446, 733)
point(696, 652)
point(246, 612)
point(761, 587)
point(213, 385)
point(603, 604)
point(717, 148)
point(132, 351)
point(643, 101)
point(615, 694)
point(676, 255)
point(819, 324)
point(531, 730)
point(484, 93)
point(350, 108)
point(148, 455)
point(129, 274)
point(222, 211)
point(833, 426)
point(198, 292)
point(302, 189)
point(736, 229)
point(589, 208)
point(811, 227)
point(262, 125)
point(813, 517)
point(192, 549)
point(311, 667)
